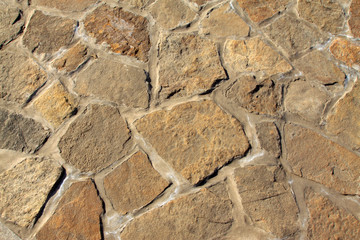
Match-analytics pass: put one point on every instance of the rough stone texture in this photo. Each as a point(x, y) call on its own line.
point(327, 221)
point(47, 34)
point(96, 139)
point(25, 187)
point(188, 65)
point(346, 51)
point(316, 158)
point(125, 32)
point(269, 138)
point(202, 215)
point(137, 3)
point(200, 2)
point(65, 5)
point(77, 216)
point(354, 21)
point(196, 138)
point(11, 23)
point(133, 184)
point(267, 199)
point(19, 133)
point(114, 81)
point(6, 234)
point(73, 58)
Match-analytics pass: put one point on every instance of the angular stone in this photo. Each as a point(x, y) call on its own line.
point(11, 23)
point(114, 81)
point(125, 32)
point(96, 139)
point(25, 187)
point(47, 34)
point(269, 138)
point(354, 21)
point(188, 65)
point(196, 138)
point(206, 214)
point(73, 58)
point(65, 5)
point(346, 51)
point(133, 184)
point(267, 199)
point(316, 158)
point(254, 55)
point(77, 215)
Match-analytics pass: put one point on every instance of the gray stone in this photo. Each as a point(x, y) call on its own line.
point(11, 23)
point(269, 138)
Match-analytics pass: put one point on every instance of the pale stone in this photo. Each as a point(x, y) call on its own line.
point(65, 5)
point(7, 234)
point(354, 21)
point(137, 3)
point(269, 138)
point(200, 2)
point(73, 58)
point(11, 23)
point(346, 51)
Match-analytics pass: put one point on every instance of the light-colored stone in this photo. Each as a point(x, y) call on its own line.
point(65, 5)
point(200, 2)
point(196, 138)
point(73, 58)
point(7, 234)
point(137, 3)
point(354, 21)
point(346, 51)
point(11, 23)
point(269, 138)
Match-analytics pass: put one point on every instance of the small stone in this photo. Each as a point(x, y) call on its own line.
point(125, 32)
point(65, 5)
point(316, 158)
point(346, 51)
point(47, 34)
point(196, 138)
point(188, 65)
point(96, 139)
point(11, 23)
point(206, 214)
point(77, 215)
point(269, 138)
point(354, 21)
point(25, 187)
point(73, 58)
point(267, 199)
point(133, 184)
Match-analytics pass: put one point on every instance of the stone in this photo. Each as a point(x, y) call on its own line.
point(114, 81)
point(188, 65)
point(73, 58)
point(77, 216)
point(206, 214)
point(346, 51)
point(196, 138)
point(269, 138)
point(137, 3)
point(11, 23)
point(133, 184)
point(125, 32)
point(267, 199)
point(354, 21)
point(327, 221)
point(96, 139)
point(200, 2)
point(25, 187)
point(314, 157)
point(253, 55)
point(20, 133)
point(7, 234)
point(65, 5)
point(47, 34)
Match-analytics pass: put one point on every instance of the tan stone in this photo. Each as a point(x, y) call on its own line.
point(77, 215)
point(25, 187)
point(73, 58)
point(346, 51)
point(133, 184)
point(11, 23)
point(137, 3)
point(269, 138)
point(267, 199)
point(316, 158)
point(206, 214)
point(200, 2)
point(196, 138)
point(65, 5)
point(7, 234)
point(354, 21)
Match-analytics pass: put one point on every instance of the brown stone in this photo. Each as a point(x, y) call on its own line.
point(354, 21)
point(77, 215)
point(11, 23)
point(346, 51)
point(65, 5)
point(73, 58)
point(269, 138)
point(125, 32)
point(196, 138)
point(206, 214)
point(133, 184)
point(316, 158)
point(25, 187)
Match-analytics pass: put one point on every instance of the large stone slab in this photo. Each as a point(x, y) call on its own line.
point(73, 58)
point(11, 23)
point(354, 21)
point(196, 138)
point(65, 5)
point(346, 51)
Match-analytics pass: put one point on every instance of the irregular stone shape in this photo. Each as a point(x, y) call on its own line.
point(316, 158)
point(196, 138)
point(269, 138)
point(77, 215)
point(267, 199)
point(73, 58)
point(96, 139)
point(206, 214)
point(200, 2)
point(354, 21)
point(327, 221)
point(133, 184)
point(11, 23)
point(25, 187)
point(170, 14)
point(20, 133)
point(55, 104)
point(65, 5)
point(254, 55)
point(125, 32)
point(188, 65)
point(346, 51)
point(7, 234)
point(47, 34)
point(137, 3)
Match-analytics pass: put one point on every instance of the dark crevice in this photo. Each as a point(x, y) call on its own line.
point(34, 94)
point(149, 87)
point(256, 89)
point(173, 93)
point(18, 18)
point(43, 142)
point(103, 213)
point(158, 196)
point(330, 84)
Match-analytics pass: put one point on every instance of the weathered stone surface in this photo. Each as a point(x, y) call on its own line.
point(19, 133)
point(200, 2)
point(77, 216)
point(47, 34)
point(25, 187)
point(114, 81)
point(73, 58)
point(203, 215)
point(137, 3)
point(346, 51)
point(188, 65)
point(326, 221)
point(11, 23)
point(65, 5)
point(269, 138)
point(7, 234)
point(354, 21)
point(196, 138)
point(125, 32)
point(133, 184)
point(96, 139)
point(267, 199)
point(316, 158)
point(254, 55)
